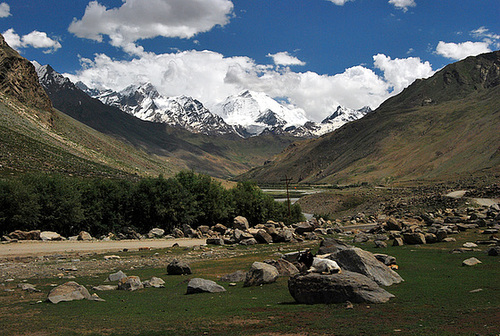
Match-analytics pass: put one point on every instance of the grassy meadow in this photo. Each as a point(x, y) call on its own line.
point(438, 297)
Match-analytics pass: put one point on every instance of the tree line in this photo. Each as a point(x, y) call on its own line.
point(68, 205)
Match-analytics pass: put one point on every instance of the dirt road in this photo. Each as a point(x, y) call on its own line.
point(35, 248)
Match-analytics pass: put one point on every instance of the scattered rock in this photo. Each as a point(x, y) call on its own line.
point(385, 259)
point(84, 235)
point(28, 287)
point(116, 276)
point(156, 233)
point(130, 283)
point(469, 245)
point(285, 268)
point(494, 251)
point(414, 238)
point(103, 288)
point(303, 227)
point(112, 257)
point(238, 276)
point(263, 237)
point(364, 262)
point(316, 288)
point(250, 241)
point(177, 267)
point(241, 223)
point(261, 273)
point(215, 241)
point(69, 291)
point(398, 242)
point(380, 244)
point(154, 282)
point(471, 262)
point(24, 235)
point(50, 236)
point(198, 285)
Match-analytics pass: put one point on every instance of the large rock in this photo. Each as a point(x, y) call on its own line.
point(283, 235)
point(285, 268)
point(250, 241)
point(69, 291)
point(304, 227)
point(331, 245)
point(238, 276)
point(156, 233)
point(154, 282)
point(130, 283)
point(414, 238)
point(25, 235)
point(364, 262)
point(316, 288)
point(116, 276)
point(49, 235)
point(241, 223)
point(471, 262)
point(84, 235)
point(261, 273)
point(263, 237)
point(198, 285)
point(177, 267)
point(215, 241)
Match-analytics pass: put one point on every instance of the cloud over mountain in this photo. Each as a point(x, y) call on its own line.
point(4, 10)
point(210, 77)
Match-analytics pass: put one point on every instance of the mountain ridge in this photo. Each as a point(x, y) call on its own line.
point(438, 128)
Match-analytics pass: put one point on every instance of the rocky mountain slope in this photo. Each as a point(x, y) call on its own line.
point(441, 128)
point(18, 79)
point(144, 102)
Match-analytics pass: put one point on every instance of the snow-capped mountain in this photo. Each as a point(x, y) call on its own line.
point(48, 77)
point(246, 114)
point(341, 116)
point(257, 112)
point(146, 103)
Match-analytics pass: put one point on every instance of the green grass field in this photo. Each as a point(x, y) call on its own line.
point(434, 299)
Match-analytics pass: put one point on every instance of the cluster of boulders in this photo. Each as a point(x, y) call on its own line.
point(362, 274)
point(43, 235)
point(271, 232)
point(435, 227)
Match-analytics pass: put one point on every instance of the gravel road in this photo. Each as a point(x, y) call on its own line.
point(36, 248)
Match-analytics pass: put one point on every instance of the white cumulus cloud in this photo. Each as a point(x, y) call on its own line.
point(403, 4)
point(210, 77)
point(459, 51)
point(284, 58)
point(4, 10)
point(35, 39)
point(339, 2)
point(145, 19)
point(400, 73)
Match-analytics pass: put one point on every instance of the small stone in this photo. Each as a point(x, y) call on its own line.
point(471, 262)
point(130, 283)
point(112, 257)
point(469, 245)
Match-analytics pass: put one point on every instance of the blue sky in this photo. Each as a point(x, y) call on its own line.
point(313, 54)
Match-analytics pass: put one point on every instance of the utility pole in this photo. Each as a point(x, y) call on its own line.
point(287, 181)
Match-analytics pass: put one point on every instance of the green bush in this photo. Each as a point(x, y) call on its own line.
point(69, 205)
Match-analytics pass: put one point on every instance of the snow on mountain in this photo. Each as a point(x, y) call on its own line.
point(341, 116)
point(48, 76)
point(256, 112)
point(146, 103)
point(246, 114)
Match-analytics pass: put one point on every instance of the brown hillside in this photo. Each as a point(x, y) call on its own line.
point(18, 79)
point(441, 128)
